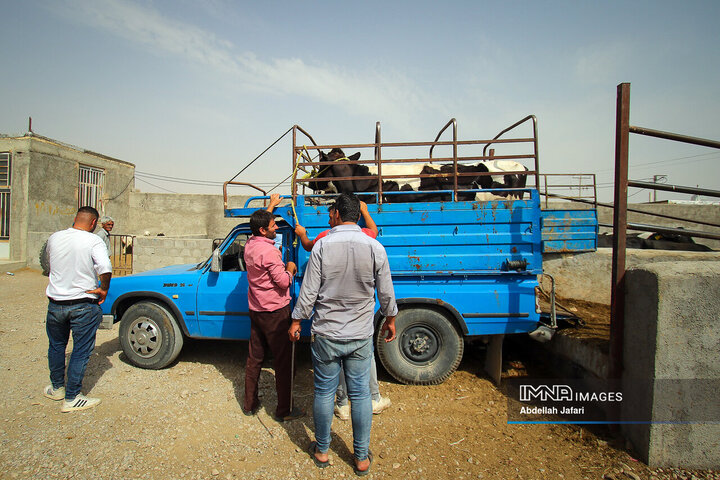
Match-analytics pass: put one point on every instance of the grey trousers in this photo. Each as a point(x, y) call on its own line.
point(342, 397)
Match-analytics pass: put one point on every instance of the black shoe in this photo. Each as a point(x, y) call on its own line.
point(250, 413)
point(293, 415)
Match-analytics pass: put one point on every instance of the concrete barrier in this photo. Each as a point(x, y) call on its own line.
point(156, 252)
point(671, 368)
point(586, 276)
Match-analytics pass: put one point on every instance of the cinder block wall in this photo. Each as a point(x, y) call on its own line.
point(671, 367)
point(156, 252)
point(586, 276)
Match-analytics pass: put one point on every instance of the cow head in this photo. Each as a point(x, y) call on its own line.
point(326, 173)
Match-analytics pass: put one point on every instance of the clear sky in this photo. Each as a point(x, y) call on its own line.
point(196, 89)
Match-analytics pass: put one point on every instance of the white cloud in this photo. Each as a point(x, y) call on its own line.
point(387, 95)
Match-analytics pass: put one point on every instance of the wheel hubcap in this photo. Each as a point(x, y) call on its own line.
point(419, 344)
point(145, 337)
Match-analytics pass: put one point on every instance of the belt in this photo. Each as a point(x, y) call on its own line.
point(75, 301)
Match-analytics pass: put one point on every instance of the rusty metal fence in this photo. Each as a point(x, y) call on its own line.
point(121, 254)
point(573, 187)
point(623, 129)
point(458, 152)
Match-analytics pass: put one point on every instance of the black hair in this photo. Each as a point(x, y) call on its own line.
point(260, 219)
point(89, 210)
point(348, 206)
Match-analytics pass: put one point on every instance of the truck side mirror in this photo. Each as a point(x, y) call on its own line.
point(215, 262)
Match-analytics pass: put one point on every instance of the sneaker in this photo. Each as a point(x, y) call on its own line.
point(380, 405)
point(81, 402)
point(54, 393)
point(293, 415)
point(342, 411)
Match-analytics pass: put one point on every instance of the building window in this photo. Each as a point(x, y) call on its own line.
point(92, 183)
point(5, 178)
point(4, 169)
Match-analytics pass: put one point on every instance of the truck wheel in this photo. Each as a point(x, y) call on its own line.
point(427, 350)
point(150, 335)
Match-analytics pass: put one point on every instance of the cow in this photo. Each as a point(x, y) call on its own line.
point(425, 185)
point(656, 241)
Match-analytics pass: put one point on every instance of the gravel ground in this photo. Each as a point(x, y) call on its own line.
point(185, 422)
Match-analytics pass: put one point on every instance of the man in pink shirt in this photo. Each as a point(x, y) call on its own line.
point(269, 282)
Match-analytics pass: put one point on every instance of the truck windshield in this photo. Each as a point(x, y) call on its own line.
point(231, 249)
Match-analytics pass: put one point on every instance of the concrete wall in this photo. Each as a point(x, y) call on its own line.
point(155, 252)
point(44, 190)
point(180, 215)
point(586, 276)
point(671, 363)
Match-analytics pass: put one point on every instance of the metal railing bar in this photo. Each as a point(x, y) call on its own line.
point(418, 160)
point(651, 228)
point(417, 144)
point(674, 188)
point(635, 210)
point(674, 136)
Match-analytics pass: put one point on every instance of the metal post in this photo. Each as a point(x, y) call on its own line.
point(617, 307)
point(293, 183)
point(378, 159)
point(455, 158)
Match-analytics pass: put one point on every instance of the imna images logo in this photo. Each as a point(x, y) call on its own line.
point(546, 393)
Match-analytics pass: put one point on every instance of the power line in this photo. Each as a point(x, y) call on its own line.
point(156, 186)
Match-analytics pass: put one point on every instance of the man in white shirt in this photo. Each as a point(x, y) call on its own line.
point(77, 259)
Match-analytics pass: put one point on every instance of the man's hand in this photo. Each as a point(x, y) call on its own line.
point(274, 202)
point(388, 329)
point(300, 231)
point(363, 207)
point(100, 293)
point(291, 267)
point(294, 331)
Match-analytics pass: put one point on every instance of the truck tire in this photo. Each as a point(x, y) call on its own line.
point(427, 350)
point(150, 336)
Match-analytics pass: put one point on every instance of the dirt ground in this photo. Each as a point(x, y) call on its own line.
point(185, 422)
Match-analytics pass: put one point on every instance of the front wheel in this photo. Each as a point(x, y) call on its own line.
point(150, 336)
point(427, 350)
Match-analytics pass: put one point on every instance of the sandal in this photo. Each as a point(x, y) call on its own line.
point(312, 449)
point(362, 473)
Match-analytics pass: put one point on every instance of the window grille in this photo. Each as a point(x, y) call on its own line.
point(5, 179)
point(4, 169)
point(91, 185)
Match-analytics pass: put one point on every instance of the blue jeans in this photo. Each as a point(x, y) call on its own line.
point(354, 356)
point(83, 320)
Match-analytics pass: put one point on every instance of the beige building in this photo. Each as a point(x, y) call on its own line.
point(42, 184)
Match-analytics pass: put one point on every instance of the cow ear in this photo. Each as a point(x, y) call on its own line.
point(354, 156)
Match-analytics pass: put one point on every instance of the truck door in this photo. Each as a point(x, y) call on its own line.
point(222, 304)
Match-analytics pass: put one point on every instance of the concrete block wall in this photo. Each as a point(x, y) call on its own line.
point(586, 276)
point(155, 252)
point(671, 367)
point(179, 215)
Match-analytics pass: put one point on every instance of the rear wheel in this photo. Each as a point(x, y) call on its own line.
point(150, 335)
point(427, 350)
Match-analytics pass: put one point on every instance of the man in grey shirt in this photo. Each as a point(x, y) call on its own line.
point(107, 224)
point(344, 269)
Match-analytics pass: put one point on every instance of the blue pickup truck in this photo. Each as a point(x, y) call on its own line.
point(461, 270)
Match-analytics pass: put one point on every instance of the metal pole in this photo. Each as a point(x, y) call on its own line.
point(292, 376)
point(617, 307)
